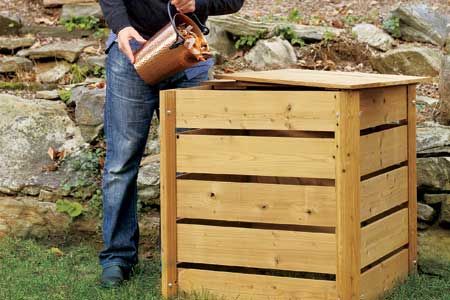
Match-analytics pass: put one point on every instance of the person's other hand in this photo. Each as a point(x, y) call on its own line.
point(124, 36)
point(184, 6)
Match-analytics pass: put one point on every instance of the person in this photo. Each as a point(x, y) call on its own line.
point(129, 108)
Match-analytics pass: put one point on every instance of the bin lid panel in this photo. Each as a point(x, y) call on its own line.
point(324, 79)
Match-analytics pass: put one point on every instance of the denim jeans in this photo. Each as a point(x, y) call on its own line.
point(129, 108)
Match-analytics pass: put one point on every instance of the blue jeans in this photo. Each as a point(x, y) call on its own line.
point(129, 108)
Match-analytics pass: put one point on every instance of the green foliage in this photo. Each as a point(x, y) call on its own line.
point(98, 71)
point(287, 33)
point(247, 41)
point(101, 33)
point(78, 73)
point(351, 20)
point(65, 95)
point(73, 209)
point(8, 85)
point(392, 25)
point(82, 23)
point(294, 16)
point(328, 36)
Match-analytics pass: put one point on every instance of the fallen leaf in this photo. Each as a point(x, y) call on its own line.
point(56, 251)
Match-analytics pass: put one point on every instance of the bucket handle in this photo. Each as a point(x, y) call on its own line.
point(180, 40)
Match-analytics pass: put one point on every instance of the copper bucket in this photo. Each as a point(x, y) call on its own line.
point(164, 54)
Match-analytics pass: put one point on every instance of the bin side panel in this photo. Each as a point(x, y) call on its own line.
point(168, 195)
point(383, 192)
point(383, 106)
point(383, 149)
point(275, 110)
point(261, 156)
point(378, 280)
point(255, 287)
point(257, 248)
point(256, 202)
point(384, 236)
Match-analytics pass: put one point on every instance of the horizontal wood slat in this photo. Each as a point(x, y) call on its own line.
point(274, 110)
point(382, 149)
point(383, 106)
point(255, 202)
point(384, 236)
point(255, 287)
point(261, 156)
point(383, 192)
point(381, 278)
point(258, 248)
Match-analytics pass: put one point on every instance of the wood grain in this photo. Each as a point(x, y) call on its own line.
point(384, 236)
point(260, 156)
point(254, 202)
point(258, 248)
point(255, 287)
point(383, 192)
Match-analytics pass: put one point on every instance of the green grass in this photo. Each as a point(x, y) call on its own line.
point(30, 270)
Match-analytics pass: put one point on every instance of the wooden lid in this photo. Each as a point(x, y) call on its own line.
point(324, 79)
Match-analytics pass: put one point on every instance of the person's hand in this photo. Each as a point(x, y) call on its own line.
point(184, 6)
point(124, 36)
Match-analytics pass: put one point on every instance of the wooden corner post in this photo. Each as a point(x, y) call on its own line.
point(348, 228)
point(168, 194)
point(412, 179)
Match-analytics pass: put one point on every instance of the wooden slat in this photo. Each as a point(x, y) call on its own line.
point(412, 184)
point(384, 236)
point(168, 195)
point(348, 193)
point(383, 149)
point(253, 202)
point(274, 110)
point(255, 287)
point(383, 192)
point(378, 280)
point(324, 79)
point(258, 248)
point(383, 106)
point(260, 156)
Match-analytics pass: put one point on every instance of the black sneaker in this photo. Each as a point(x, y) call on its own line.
point(114, 276)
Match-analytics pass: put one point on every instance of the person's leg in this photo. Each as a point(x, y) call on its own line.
point(130, 104)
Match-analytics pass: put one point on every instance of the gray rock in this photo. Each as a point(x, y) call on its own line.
point(28, 128)
point(52, 72)
point(81, 10)
point(435, 198)
point(148, 184)
point(407, 60)
point(9, 24)
point(29, 218)
point(68, 50)
point(445, 212)
point(99, 61)
point(271, 53)
point(433, 138)
point(434, 173)
point(16, 42)
point(14, 64)
point(152, 147)
point(426, 101)
point(219, 40)
point(418, 22)
point(425, 212)
point(47, 95)
point(373, 36)
point(89, 111)
point(59, 31)
point(314, 33)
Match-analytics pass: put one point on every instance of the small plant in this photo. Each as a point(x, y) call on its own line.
point(82, 23)
point(294, 16)
point(287, 33)
point(247, 41)
point(78, 73)
point(64, 95)
point(98, 71)
point(73, 209)
point(392, 25)
point(328, 36)
point(351, 20)
point(101, 33)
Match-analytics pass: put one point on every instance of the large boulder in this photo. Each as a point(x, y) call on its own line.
point(76, 10)
point(425, 212)
point(68, 50)
point(12, 64)
point(408, 60)
point(373, 36)
point(219, 40)
point(419, 22)
point(16, 42)
point(271, 53)
point(52, 72)
point(28, 128)
point(26, 217)
point(433, 138)
point(148, 184)
point(9, 24)
point(434, 173)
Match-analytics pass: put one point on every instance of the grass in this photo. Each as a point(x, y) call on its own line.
point(30, 270)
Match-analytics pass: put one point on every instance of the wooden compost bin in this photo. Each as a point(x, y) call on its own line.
point(291, 184)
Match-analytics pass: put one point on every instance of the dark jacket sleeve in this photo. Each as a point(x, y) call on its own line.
point(115, 13)
point(218, 7)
